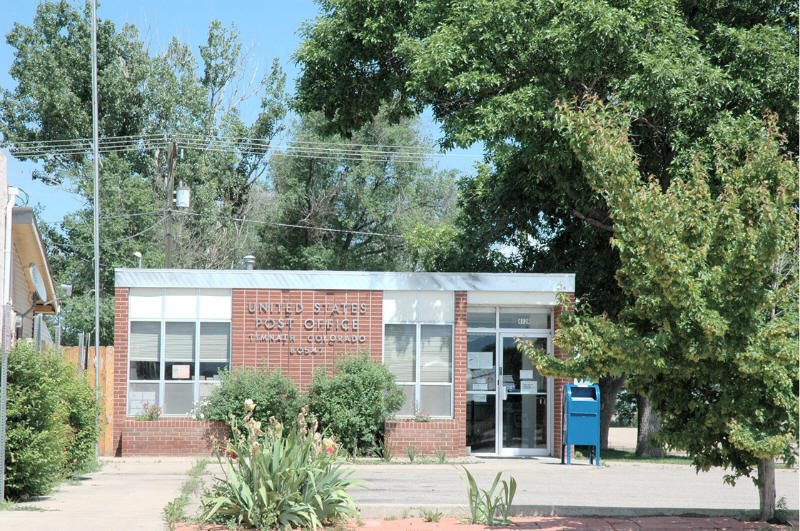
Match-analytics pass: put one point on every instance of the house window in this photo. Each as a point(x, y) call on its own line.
point(418, 350)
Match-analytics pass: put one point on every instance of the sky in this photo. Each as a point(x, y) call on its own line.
point(268, 28)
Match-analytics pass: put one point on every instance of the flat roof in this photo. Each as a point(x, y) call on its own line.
point(350, 280)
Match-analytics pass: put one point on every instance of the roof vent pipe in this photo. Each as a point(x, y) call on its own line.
point(249, 261)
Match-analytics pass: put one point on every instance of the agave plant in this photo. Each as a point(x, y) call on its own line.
point(279, 479)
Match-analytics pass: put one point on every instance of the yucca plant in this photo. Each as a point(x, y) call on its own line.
point(484, 505)
point(279, 479)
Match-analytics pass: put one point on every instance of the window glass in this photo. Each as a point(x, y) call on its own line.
point(178, 398)
point(145, 341)
point(209, 370)
point(399, 348)
point(435, 353)
point(407, 409)
point(179, 342)
point(143, 370)
point(480, 318)
point(214, 340)
point(140, 395)
point(481, 362)
point(435, 400)
point(524, 318)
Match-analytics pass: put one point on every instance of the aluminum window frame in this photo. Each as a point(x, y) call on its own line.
point(418, 358)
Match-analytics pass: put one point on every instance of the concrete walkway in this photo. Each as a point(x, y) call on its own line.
point(126, 494)
point(546, 487)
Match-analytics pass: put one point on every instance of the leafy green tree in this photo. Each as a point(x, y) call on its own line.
point(491, 71)
point(710, 263)
point(175, 119)
point(371, 198)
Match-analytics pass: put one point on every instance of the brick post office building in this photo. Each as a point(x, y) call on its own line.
point(449, 339)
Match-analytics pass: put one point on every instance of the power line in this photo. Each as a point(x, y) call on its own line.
point(81, 245)
point(306, 227)
point(222, 143)
point(118, 216)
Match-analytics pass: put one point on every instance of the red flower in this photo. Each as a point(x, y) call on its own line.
point(330, 449)
point(232, 454)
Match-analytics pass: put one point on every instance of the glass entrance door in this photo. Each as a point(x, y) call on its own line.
point(523, 396)
point(482, 393)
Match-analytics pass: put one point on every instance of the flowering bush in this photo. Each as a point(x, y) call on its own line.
point(150, 412)
point(284, 478)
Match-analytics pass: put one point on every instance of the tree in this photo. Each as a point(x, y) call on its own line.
point(491, 71)
point(711, 263)
point(164, 112)
point(365, 199)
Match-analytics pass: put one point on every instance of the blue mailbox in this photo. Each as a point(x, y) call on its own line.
point(580, 420)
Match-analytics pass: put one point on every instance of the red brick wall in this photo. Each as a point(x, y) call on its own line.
point(170, 436)
point(271, 355)
point(559, 383)
point(120, 366)
point(449, 435)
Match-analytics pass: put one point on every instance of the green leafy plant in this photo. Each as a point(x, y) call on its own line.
point(275, 395)
point(411, 452)
point(175, 511)
point(441, 455)
point(37, 431)
point(288, 477)
point(151, 412)
point(354, 403)
point(431, 515)
point(81, 412)
point(385, 451)
point(484, 505)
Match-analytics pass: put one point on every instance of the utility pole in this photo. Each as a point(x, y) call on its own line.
point(171, 161)
point(96, 160)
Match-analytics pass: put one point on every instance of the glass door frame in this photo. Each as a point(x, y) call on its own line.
point(500, 450)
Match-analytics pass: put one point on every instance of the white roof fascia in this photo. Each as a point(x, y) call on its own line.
point(345, 280)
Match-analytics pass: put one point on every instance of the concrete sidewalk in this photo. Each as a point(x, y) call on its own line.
point(546, 487)
point(125, 494)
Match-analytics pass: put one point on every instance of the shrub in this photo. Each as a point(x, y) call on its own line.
point(78, 397)
point(287, 478)
point(354, 403)
point(274, 395)
point(37, 431)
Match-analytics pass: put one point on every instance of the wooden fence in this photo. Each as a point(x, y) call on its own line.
point(106, 369)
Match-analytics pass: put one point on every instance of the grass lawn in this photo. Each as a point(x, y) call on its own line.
point(623, 455)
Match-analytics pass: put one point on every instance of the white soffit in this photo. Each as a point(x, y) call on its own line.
point(349, 280)
point(512, 298)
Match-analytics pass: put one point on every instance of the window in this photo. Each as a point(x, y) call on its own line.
point(418, 350)
point(178, 371)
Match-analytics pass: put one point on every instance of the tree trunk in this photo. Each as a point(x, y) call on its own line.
point(609, 389)
point(766, 489)
point(649, 422)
